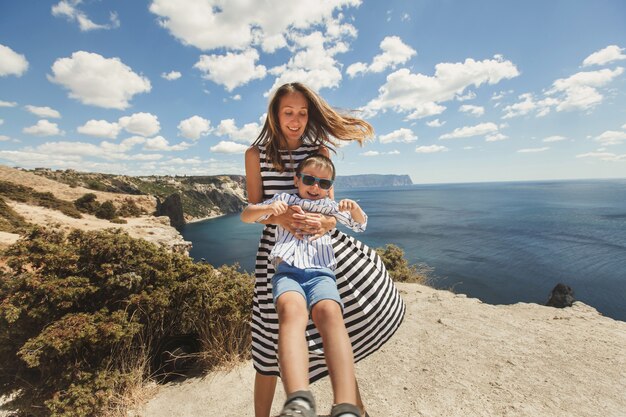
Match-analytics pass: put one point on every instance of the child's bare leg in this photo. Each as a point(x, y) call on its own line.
point(328, 319)
point(293, 353)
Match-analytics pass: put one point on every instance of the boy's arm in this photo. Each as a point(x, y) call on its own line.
point(255, 212)
point(350, 214)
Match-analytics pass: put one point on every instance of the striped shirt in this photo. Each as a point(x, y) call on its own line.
point(301, 253)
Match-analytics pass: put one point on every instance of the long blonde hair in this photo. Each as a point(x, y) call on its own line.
point(325, 123)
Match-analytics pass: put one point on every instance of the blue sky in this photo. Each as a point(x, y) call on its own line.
point(457, 91)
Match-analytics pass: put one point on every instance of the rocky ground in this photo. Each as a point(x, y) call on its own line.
point(455, 356)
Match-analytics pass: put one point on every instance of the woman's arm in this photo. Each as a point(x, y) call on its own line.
point(254, 188)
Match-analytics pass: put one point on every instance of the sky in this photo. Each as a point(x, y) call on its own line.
point(456, 90)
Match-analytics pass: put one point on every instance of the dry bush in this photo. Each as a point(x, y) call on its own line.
point(82, 314)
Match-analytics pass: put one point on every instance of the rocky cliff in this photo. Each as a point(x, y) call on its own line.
point(199, 197)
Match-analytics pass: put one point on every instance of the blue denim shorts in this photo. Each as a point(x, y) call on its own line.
point(315, 284)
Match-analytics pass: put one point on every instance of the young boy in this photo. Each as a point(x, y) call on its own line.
point(304, 282)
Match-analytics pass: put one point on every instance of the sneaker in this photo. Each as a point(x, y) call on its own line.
point(345, 410)
point(299, 404)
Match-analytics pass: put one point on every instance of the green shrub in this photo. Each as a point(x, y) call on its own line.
point(87, 203)
point(10, 221)
point(106, 211)
point(81, 313)
point(399, 268)
point(129, 208)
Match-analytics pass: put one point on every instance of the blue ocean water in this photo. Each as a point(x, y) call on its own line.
point(500, 242)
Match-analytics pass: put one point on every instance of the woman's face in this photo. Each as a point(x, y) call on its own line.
point(293, 115)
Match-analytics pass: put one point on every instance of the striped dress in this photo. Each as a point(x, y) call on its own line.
point(373, 309)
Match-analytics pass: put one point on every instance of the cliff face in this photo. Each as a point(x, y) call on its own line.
point(372, 180)
point(198, 196)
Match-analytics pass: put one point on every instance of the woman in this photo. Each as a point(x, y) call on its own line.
point(300, 123)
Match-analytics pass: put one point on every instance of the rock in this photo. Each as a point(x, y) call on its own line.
point(562, 296)
point(171, 207)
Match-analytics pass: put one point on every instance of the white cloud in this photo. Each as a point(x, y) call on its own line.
point(32, 158)
point(580, 90)
point(420, 95)
point(246, 134)
point(236, 97)
point(98, 81)
point(577, 92)
point(100, 129)
point(604, 156)
point(394, 52)
point(228, 147)
point(144, 124)
point(159, 143)
point(370, 153)
point(533, 150)
point(194, 127)
point(473, 110)
point(469, 131)
point(611, 137)
point(500, 95)
point(67, 9)
point(172, 75)
point(213, 24)
point(109, 151)
point(401, 135)
point(313, 61)
point(7, 103)
point(469, 96)
point(430, 149)
point(604, 56)
point(233, 69)
point(43, 128)
point(4, 138)
point(495, 137)
point(43, 111)
point(12, 63)
point(435, 123)
point(1, 122)
point(520, 108)
point(555, 138)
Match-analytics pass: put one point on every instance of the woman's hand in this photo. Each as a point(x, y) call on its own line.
point(315, 225)
point(300, 223)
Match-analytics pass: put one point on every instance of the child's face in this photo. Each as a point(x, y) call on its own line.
point(313, 192)
point(293, 115)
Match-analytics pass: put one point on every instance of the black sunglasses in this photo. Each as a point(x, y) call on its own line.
point(310, 180)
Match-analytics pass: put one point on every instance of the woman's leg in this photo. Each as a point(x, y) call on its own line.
point(328, 319)
point(264, 388)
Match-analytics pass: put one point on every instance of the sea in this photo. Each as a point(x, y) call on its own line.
point(503, 242)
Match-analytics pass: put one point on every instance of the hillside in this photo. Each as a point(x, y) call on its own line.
point(455, 357)
point(201, 196)
point(149, 227)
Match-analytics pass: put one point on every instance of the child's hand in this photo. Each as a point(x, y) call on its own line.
point(278, 207)
point(348, 205)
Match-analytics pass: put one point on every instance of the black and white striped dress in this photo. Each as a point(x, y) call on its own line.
point(373, 309)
